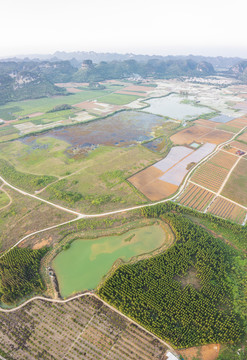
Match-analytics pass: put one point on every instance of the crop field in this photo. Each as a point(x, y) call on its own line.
point(234, 125)
point(80, 329)
point(223, 159)
point(24, 108)
point(163, 178)
point(118, 99)
point(210, 176)
point(239, 145)
point(206, 123)
point(227, 210)
point(236, 186)
point(216, 137)
point(196, 197)
point(201, 133)
point(189, 135)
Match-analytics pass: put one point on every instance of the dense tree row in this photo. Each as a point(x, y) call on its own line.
point(19, 273)
point(239, 231)
point(151, 291)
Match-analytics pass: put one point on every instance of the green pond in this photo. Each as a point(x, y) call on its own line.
point(82, 266)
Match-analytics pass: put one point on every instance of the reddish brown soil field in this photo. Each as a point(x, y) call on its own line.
point(205, 352)
point(187, 136)
point(158, 190)
point(147, 181)
point(216, 137)
point(207, 123)
point(145, 177)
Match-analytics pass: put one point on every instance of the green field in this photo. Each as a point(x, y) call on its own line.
point(118, 99)
point(82, 266)
point(22, 108)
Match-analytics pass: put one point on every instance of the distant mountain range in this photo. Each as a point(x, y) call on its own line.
point(31, 79)
point(77, 57)
point(27, 79)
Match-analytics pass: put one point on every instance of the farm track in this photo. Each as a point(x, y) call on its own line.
point(80, 215)
point(10, 198)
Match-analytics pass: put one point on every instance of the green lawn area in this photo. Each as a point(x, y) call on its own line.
point(118, 99)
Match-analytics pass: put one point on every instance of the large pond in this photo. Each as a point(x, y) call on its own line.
point(82, 266)
point(121, 129)
point(176, 107)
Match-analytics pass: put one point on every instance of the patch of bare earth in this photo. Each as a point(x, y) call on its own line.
point(205, 352)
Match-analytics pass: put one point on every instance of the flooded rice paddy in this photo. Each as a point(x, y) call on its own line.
point(122, 129)
point(175, 107)
point(82, 266)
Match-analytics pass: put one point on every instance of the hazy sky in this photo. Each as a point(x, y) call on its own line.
point(208, 27)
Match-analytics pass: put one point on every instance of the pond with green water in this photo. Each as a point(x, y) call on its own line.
point(82, 266)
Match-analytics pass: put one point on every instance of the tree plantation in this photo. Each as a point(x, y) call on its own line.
point(19, 274)
point(154, 291)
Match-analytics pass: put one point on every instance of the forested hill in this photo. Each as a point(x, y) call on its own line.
point(239, 71)
point(155, 68)
point(27, 79)
point(32, 79)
